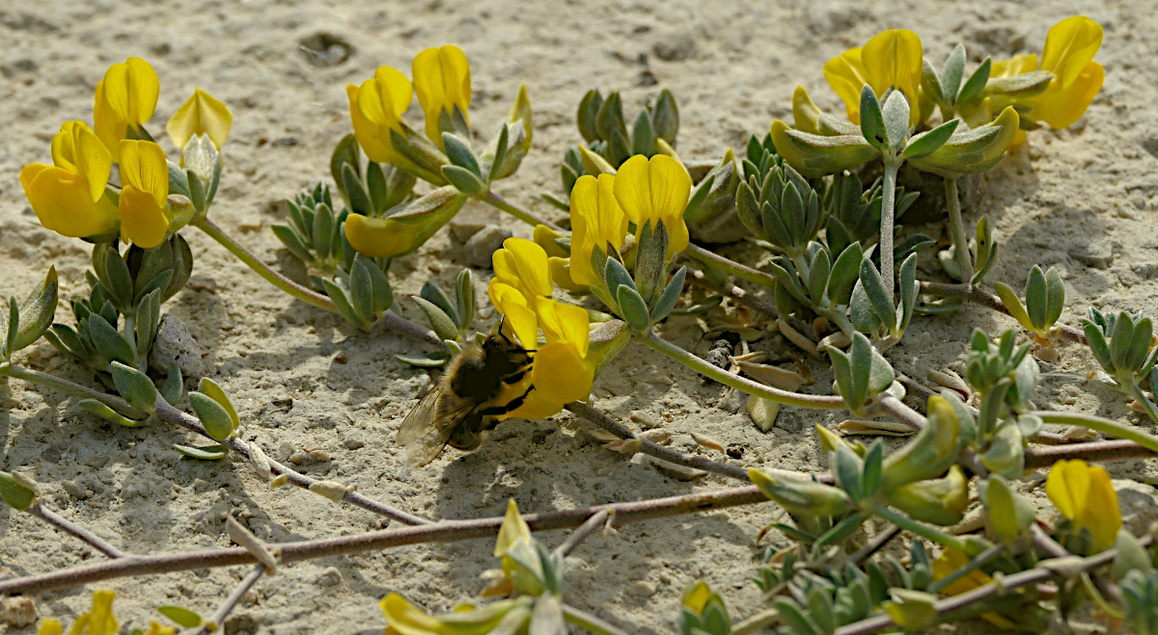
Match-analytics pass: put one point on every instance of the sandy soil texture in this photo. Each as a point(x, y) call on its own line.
point(1082, 200)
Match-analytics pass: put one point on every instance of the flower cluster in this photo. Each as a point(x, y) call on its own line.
point(74, 196)
point(445, 158)
point(562, 370)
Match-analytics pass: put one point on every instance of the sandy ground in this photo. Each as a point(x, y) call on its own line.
point(1082, 200)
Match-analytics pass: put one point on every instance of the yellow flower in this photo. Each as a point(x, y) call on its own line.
point(69, 195)
point(200, 114)
point(157, 629)
point(125, 100)
point(951, 560)
point(654, 191)
point(889, 60)
point(522, 264)
point(1069, 53)
point(99, 621)
point(1083, 494)
point(561, 371)
point(376, 109)
point(144, 205)
point(404, 618)
point(442, 81)
point(597, 221)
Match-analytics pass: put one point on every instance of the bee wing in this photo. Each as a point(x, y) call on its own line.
point(425, 431)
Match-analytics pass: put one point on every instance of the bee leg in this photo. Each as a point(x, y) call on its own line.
point(510, 406)
point(516, 378)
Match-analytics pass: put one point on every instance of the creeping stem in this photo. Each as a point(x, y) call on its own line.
point(800, 400)
point(253, 262)
point(308, 296)
point(1106, 426)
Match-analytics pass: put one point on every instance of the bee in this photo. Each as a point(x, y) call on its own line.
point(459, 408)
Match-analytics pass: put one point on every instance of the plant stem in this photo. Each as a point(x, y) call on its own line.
point(985, 592)
point(445, 531)
point(977, 295)
point(972, 565)
point(888, 208)
point(604, 421)
point(168, 413)
point(580, 534)
point(957, 232)
point(527, 217)
point(729, 266)
point(1106, 426)
point(217, 620)
point(800, 400)
point(253, 262)
point(69, 527)
point(922, 530)
point(71, 388)
point(587, 621)
point(1103, 451)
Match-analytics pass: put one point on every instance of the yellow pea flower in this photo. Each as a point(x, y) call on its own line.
point(597, 221)
point(951, 560)
point(376, 109)
point(125, 99)
point(653, 191)
point(144, 205)
point(404, 618)
point(1084, 494)
point(200, 114)
point(69, 195)
point(1069, 53)
point(889, 60)
point(561, 371)
point(442, 82)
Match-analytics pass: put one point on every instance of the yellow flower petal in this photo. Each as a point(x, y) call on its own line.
point(535, 405)
point(560, 374)
point(126, 97)
point(1067, 486)
point(513, 529)
point(407, 619)
point(102, 621)
point(63, 204)
point(564, 323)
point(1062, 107)
point(805, 114)
point(847, 76)
point(50, 627)
point(655, 190)
point(200, 114)
point(77, 149)
point(893, 60)
point(143, 222)
point(1069, 47)
point(596, 221)
point(517, 316)
point(1016, 65)
point(1101, 516)
point(143, 167)
point(380, 237)
point(375, 110)
point(523, 264)
point(442, 82)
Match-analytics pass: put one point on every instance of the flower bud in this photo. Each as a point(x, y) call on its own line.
point(970, 151)
point(928, 455)
point(940, 502)
point(814, 155)
point(807, 498)
point(405, 228)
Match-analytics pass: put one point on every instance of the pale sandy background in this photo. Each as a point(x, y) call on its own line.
point(1082, 200)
